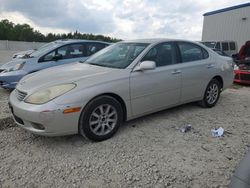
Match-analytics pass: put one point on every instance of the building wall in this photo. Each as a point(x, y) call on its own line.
point(228, 26)
point(19, 45)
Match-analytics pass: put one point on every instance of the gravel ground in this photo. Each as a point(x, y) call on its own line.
point(147, 152)
point(4, 109)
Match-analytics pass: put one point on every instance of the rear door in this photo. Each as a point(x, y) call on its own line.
point(197, 70)
point(156, 89)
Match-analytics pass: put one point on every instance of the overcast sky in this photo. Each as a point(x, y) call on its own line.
point(125, 19)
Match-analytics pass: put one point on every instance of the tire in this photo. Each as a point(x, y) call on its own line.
point(210, 100)
point(101, 118)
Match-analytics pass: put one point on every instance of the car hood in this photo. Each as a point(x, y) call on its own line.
point(24, 52)
point(71, 73)
point(14, 62)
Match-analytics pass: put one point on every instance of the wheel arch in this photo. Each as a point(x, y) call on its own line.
point(219, 79)
point(115, 96)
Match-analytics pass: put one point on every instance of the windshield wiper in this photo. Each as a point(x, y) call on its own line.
point(98, 64)
point(104, 65)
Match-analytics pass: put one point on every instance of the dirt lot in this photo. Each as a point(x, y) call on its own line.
point(147, 152)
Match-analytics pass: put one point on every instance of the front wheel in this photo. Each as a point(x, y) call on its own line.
point(212, 94)
point(101, 118)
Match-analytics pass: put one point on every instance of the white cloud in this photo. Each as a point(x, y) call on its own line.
point(125, 19)
point(18, 18)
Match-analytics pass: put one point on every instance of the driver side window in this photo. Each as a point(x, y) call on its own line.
point(162, 54)
point(63, 51)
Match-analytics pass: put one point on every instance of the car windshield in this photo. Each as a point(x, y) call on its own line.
point(119, 55)
point(209, 44)
point(44, 49)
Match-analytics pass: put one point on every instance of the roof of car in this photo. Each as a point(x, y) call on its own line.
point(151, 40)
point(66, 41)
point(154, 40)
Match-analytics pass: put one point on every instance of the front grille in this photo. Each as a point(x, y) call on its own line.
point(245, 77)
point(237, 77)
point(20, 95)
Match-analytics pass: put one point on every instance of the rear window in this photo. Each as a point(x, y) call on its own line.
point(191, 52)
point(225, 46)
point(232, 45)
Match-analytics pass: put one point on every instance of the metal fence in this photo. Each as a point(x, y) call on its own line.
point(19, 45)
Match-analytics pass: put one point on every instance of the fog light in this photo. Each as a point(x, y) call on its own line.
point(38, 126)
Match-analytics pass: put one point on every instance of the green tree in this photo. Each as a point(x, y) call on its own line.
point(23, 32)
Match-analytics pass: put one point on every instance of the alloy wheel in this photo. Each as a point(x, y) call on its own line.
point(103, 119)
point(212, 93)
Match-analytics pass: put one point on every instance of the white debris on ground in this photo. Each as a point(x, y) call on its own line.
point(147, 152)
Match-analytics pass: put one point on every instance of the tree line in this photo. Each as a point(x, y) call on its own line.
point(24, 32)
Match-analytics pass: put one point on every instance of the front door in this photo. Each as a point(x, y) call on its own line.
point(153, 90)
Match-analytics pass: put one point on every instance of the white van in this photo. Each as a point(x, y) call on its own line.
point(229, 47)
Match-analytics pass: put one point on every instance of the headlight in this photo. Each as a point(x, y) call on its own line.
point(236, 67)
point(16, 67)
point(46, 95)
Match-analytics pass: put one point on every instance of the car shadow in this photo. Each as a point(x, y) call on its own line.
point(79, 141)
point(163, 113)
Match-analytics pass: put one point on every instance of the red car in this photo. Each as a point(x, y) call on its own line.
point(242, 67)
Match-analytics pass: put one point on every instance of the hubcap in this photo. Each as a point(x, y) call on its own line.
point(103, 119)
point(212, 93)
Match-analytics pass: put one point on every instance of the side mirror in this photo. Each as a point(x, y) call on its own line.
point(145, 65)
point(57, 57)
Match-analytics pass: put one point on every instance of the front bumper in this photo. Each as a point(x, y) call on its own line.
point(9, 80)
point(47, 119)
point(242, 76)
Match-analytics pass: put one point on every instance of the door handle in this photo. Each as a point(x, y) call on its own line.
point(176, 72)
point(210, 66)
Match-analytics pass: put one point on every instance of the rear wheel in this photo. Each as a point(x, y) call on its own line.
point(212, 94)
point(101, 118)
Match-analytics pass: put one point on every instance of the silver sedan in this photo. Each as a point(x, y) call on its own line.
point(124, 81)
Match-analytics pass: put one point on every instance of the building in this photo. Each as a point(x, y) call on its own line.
point(228, 24)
